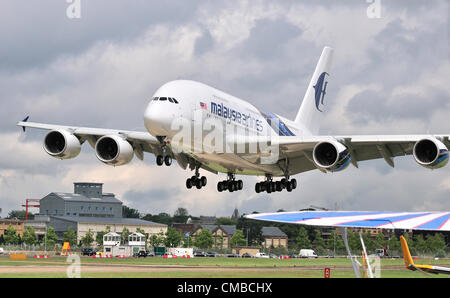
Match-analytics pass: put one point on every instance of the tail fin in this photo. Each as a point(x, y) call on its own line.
point(310, 112)
point(406, 254)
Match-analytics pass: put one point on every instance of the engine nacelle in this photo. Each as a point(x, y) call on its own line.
point(331, 156)
point(113, 150)
point(62, 144)
point(430, 153)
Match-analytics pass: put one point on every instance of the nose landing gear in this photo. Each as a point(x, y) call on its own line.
point(231, 184)
point(164, 158)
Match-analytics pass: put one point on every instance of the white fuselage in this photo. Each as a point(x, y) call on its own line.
point(198, 104)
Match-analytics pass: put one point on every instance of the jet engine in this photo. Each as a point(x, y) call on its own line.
point(430, 153)
point(331, 156)
point(62, 144)
point(114, 150)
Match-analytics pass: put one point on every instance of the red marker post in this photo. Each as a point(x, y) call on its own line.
point(326, 273)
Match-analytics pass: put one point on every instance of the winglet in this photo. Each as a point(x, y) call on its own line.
point(25, 120)
point(406, 254)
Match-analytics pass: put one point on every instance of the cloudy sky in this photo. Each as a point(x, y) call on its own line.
point(390, 75)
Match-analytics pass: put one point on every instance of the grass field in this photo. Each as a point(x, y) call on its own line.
point(204, 267)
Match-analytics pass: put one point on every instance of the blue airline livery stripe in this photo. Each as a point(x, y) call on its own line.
point(443, 157)
point(435, 224)
point(280, 124)
point(373, 223)
point(296, 217)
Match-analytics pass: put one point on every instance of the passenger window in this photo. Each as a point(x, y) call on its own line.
point(170, 99)
point(155, 98)
point(175, 101)
point(163, 98)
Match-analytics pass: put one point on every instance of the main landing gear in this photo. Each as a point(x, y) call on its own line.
point(196, 180)
point(231, 184)
point(270, 186)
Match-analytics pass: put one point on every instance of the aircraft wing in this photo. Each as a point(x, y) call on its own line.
point(141, 141)
point(361, 147)
point(429, 221)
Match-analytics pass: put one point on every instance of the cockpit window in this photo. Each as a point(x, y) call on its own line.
point(170, 99)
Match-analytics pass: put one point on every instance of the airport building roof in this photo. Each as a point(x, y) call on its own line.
point(73, 197)
point(272, 232)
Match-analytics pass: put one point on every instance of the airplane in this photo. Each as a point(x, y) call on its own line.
point(262, 143)
point(409, 262)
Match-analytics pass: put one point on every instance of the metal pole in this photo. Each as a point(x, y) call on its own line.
point(354, 264)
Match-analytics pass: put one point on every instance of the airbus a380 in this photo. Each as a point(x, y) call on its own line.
point(294, 145)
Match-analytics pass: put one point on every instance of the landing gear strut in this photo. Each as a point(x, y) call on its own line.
point(231, 184)
point(196, 180)
point(164, 158)
point(270, 186)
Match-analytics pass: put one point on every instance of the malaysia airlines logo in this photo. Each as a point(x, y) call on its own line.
point(320, 90)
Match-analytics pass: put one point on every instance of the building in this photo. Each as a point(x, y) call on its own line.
point(274, 237)
point(87, 209)
point(222, 234)
point(112, 244)
point(88, 200)
point(82, 225)
point(39, 224)
point(17, 224)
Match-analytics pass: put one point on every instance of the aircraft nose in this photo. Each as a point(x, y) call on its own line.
point(157, 120)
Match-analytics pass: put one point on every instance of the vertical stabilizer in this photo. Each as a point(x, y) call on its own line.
point(311, 110)
point(406, 254)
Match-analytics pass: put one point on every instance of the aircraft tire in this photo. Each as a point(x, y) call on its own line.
point(188, 183)
point(168, 160)
point(159, 160)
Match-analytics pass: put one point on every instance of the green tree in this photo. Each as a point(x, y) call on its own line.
point(181, 215)
point(302, 239)
point(318, 242)
point(50, 238)
point(187, 241)
point(420, 245)
point(173, 238)
point(204, 239)
point(70, 236)
point(99, 235)
point(335, 242)
point(252, 229)
point(162, 218)
point(88, 238)
point(19, 214)
point(130, 212)
point(225, 221)
point(124, 235)
point(238, 239)
point(11, 236)
point(29, 236)
point(157, 240)
point(394, 245)
point(436, 243)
